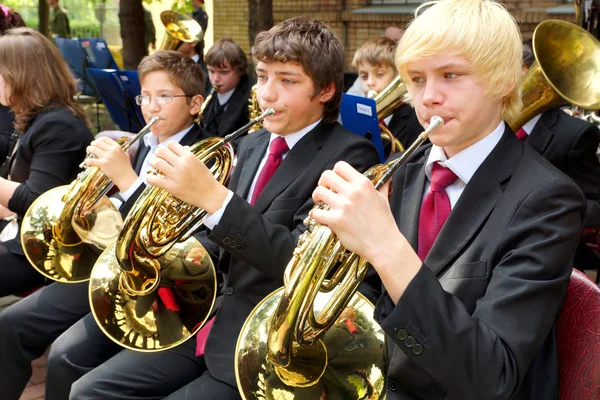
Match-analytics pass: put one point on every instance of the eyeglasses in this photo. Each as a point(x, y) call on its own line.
point(143, 100)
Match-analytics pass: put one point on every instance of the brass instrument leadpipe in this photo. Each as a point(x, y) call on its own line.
point(208, 98)
point(129, 142)
point(434, 123)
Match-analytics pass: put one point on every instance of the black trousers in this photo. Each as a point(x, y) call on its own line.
point(16, 274)
point(29, 326)
point(84, 361)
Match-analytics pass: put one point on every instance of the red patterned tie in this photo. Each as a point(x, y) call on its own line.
point(277, 149)
point(521, 135)
point(435, 208)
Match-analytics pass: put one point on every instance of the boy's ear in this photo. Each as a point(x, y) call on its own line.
point(196, 104)
point(326, 93)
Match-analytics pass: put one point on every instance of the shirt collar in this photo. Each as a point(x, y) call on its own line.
point(224, 97)
point(196, 57)
point(151, 140)
point(292, 138)
point(528, 127)
point(467, 161)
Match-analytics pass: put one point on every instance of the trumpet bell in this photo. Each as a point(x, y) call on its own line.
point(179, 28)
point(65, 251)
point(346, 363)
point(164, 318)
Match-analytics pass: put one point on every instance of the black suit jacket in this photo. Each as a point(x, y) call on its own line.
point(48, 155)
point(477, 320)
point(195, 134)
point(6, 129)
point(405, 126)
point(259, 240)
point(221, 121)
point(570, 144)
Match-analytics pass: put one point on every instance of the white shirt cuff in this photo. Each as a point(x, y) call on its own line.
point(129, 192)
point(210, 221)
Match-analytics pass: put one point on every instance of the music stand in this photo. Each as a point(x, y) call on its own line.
point(97, 53)
point(359, 115)
point(76, 59)
point(118, 89)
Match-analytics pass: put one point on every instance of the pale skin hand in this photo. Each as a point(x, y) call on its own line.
point(187, 178)
point(361, 218)
point(5, 212)
point(113, 161)
point(7, 189)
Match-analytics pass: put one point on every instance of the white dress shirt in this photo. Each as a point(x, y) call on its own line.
point(290, 139)
point(464, 163)
point(224, 97)
point(151, 141)
point(528, 127)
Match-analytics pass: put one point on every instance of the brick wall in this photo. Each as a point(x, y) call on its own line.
point(231, 18)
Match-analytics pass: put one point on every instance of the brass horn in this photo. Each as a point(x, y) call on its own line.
point(567, 69)
point(179, 28)
point(65, 229)
point(155, 286)
point(315, 338)
point(387, 102)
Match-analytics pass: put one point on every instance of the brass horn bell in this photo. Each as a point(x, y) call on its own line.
point(567, 69)
point(179, 28)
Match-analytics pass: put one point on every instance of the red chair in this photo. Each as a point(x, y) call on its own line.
point(578, 336)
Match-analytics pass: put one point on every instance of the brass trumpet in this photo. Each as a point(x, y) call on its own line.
point(155, 247)
point(286, 345)
point(66, 228)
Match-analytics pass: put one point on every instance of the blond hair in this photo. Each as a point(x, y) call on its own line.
point(481, 31)
point(377, 52)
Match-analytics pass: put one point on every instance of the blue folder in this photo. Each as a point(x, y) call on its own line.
point(359, 115)
point(118, 89)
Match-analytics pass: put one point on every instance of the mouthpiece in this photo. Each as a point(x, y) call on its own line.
point(434, 123)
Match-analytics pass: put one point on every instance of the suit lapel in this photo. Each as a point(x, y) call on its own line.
point(249, 165)
point(475, 203)
point(294, 164)
point(542, 134)
point(412, 197)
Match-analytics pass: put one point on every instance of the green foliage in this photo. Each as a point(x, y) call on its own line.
point(182, 6)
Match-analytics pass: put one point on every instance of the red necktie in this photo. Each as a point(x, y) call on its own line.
point(435, 208)
point(277, 149)
point(521, 135)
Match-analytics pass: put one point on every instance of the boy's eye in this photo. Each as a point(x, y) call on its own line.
point(288, 82)
point(451, 75)
point(418, 79)
point(380, 74)
point(363, 77)
point(261, 77)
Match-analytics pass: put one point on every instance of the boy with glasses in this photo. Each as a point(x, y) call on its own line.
point(172, 87)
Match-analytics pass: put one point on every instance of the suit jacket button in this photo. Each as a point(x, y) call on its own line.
point(239, 249)
point(393, 386)
point(233, 244)
point(402, 334)
point(229, 290)
point(410, 341)
point(417, 349)
point(226, 241)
